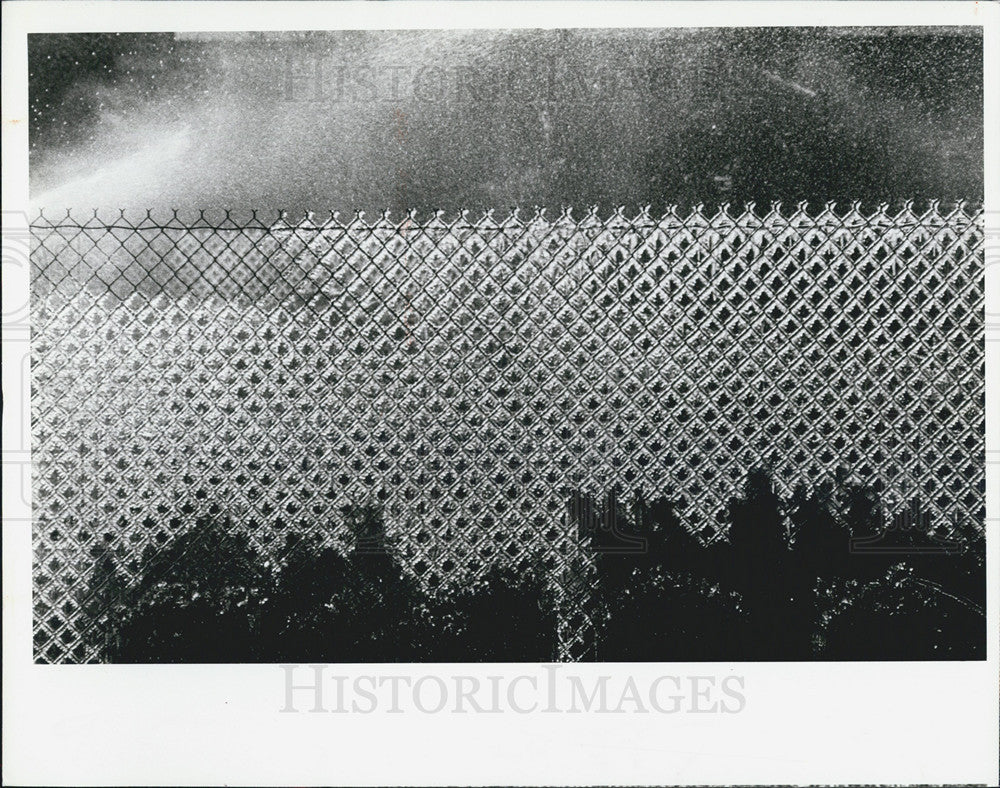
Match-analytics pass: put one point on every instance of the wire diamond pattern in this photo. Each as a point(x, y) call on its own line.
point(469, 375)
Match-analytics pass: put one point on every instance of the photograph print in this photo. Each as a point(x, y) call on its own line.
point(508, 345)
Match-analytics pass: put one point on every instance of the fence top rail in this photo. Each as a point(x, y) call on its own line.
point(724, 218)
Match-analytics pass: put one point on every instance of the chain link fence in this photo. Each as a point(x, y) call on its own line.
point(469, 376)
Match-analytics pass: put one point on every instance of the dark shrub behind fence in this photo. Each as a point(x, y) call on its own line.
point(207, 598)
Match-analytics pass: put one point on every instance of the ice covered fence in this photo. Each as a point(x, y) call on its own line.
point(469, 374)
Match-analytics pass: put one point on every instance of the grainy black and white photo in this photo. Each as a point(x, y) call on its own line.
point(458, 346)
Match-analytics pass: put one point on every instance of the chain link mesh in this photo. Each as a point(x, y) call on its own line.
point(468, 376)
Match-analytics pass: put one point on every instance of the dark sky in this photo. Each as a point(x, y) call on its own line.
point(480, 119)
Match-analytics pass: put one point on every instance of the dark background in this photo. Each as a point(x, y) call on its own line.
point(494, 119)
